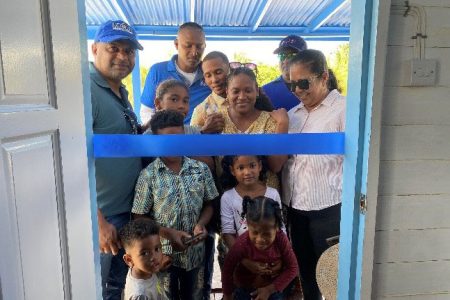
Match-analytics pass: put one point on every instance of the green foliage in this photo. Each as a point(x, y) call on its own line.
point(128, 82)
point(338, 62)
point(266, 73)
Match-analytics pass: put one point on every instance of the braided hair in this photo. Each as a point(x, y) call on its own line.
point(261, 208)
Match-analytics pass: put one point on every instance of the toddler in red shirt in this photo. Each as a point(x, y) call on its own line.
point(265, 243)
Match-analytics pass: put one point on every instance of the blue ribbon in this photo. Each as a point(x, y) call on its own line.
point(126, 145)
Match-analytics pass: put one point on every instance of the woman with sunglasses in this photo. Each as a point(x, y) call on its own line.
point(312, 184)
point(243, 117)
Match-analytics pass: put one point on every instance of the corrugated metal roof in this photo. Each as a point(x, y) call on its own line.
point(227, 19)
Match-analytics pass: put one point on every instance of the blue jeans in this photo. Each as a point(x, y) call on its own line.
point(113, 268)
point(244, 294)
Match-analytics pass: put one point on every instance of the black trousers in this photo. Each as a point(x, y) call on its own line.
point(309, 231)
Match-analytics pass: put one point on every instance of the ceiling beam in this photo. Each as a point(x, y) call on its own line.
point(326, 14)
point(192, 11)
point(259, 14)
point(121, 11)
point(239, 33)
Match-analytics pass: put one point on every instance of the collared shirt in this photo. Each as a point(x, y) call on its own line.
point(159, 72)
point(212, 103)
point(115, 177)
point(279, 94)
point(176, 201)
point(314, 182)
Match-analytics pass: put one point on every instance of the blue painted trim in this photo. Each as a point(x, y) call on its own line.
point(361, 65)
point(136, 80)
point(262, 33)
point(128, 145)
point(261, 11)
point(325, 14)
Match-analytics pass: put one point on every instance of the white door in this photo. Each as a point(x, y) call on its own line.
point(45, 207)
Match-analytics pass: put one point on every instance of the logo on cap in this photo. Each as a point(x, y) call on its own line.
point(123, 27)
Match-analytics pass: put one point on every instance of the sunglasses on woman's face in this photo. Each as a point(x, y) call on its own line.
point(303, 84)
point(236, 65)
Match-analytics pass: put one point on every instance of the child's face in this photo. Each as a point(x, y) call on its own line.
point(242, 93)
point(176, 98)
point(246, 169)
point(144, 256)
point(262, 234)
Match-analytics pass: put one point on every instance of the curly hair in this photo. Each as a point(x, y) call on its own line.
point(166, 118)
point(137, 229)
point(261, 208)
point(227, 179)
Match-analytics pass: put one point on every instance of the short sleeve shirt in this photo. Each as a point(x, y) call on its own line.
point(115, 177)
point(175, 201)
point(212, 103)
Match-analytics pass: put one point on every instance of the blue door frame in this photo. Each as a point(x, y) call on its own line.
point(363, 34)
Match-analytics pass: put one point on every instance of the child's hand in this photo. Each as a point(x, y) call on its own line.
point(263, 293)
point(276, 268)
point(255, 267)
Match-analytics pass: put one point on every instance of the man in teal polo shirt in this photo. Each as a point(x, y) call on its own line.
point(114, 51)
point(185, 66)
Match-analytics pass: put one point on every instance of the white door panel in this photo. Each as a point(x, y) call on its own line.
point(46, 231)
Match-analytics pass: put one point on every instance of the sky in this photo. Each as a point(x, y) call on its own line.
point(257, 51)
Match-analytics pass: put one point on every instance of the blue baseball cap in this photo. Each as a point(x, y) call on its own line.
point(291, 42)
point(111, 31)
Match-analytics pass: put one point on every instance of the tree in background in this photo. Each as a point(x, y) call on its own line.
point(127, 81)
point(338, 62)
point(266, 73)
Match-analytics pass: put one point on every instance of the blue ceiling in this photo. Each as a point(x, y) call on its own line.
point(227, 19)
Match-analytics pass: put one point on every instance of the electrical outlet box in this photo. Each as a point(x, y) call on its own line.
point(423, 72)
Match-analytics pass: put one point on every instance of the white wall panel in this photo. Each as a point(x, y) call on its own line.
point(416, 142)
point(426, 105)
point(33, 208)
point(413, 212)
point(412, 245)
point(403, 279)
point(414, 177)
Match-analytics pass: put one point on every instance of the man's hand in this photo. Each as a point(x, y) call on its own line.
point(107, 235)
point(263, 293)
point(214, 123)
point(175, 238)
point(202, 233)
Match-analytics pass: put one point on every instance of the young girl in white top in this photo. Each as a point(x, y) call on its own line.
point(242, 176)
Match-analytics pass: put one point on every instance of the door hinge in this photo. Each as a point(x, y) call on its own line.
point(363, 204)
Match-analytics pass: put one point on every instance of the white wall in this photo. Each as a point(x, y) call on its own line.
point(412, 239)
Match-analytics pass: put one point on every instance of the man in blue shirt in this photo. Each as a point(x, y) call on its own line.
point(278, 90)
point(185, 66)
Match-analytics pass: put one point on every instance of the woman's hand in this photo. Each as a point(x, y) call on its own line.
point(281, 117)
